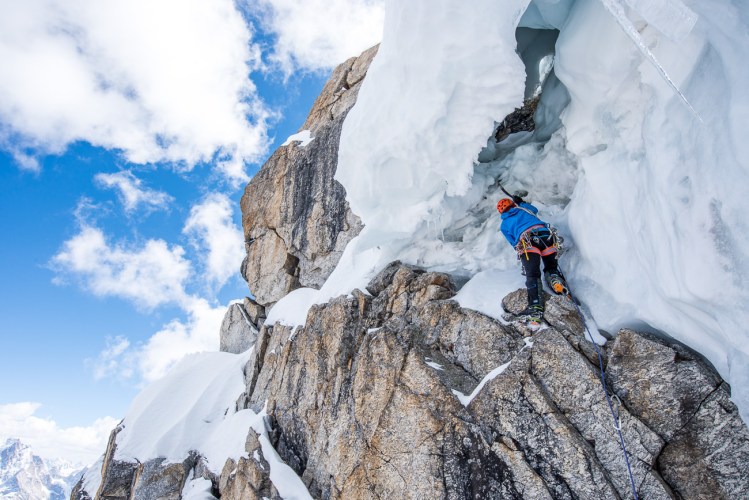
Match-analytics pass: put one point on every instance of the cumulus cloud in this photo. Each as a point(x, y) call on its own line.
point(160, 81)
point(150, 360)
point(151, 275)
point(212, 230)
point(114, 360)
point(78, 444)
point(178, 338)
point(319, 34)
point(132, 192)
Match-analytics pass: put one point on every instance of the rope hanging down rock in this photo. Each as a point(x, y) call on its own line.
point(617, 424)
point(614, 415)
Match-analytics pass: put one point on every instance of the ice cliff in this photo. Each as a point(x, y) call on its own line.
point(375, 360)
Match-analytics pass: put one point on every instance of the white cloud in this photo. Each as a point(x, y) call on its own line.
point(131, 191)
point(152, 275)
point(213, 231)
point(47, 439)
point(160, 81)
point(151, 360)
point(177, 339)
point(110, 363)
point(316, 34)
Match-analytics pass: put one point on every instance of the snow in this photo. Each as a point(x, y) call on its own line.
point(304, 137)
point(670, 17)
point(434, 365)
point(292, 309)
point(466, 400)
point(288, 484)
point(485, 291)
point(193, 407)
point(430, 68)
point(197, 489)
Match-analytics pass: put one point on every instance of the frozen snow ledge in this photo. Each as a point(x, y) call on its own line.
point(304, 137)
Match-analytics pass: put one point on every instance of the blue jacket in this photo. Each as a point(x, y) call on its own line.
point(516, 221)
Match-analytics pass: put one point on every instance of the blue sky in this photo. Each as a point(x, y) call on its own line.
point(124, 150)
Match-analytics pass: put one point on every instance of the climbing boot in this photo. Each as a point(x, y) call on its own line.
point(534, 313)
point(557, 283)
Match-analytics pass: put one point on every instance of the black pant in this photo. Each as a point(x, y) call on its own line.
point(540, 240)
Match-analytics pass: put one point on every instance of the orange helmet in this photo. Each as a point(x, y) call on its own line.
point(504, 205)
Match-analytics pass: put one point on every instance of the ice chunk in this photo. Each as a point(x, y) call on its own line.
point(670, 17)
point(617, 10)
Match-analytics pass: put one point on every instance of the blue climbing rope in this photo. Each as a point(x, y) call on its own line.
point(615, 416)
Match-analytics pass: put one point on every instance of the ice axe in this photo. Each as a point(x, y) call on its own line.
point(521, 193)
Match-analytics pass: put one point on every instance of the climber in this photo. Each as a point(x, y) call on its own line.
point(534, 241)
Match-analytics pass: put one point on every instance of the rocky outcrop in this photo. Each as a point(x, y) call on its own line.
point(398, 392)
point(160, 479)
point(249, 478)
point(520, 120)
point(295, 216)
point(153, 479)
point(685, 401)
point(388, 393)
point(240, 326)
point(116, 475)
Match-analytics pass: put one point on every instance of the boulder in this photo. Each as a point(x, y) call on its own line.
point(665, 384)
point(238, 333)
point(709, 456)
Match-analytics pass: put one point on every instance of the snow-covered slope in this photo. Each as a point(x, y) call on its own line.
point(645, 173)
point(193, 411)
point(24, 475)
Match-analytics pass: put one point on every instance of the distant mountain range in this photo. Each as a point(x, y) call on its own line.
point(25, 476)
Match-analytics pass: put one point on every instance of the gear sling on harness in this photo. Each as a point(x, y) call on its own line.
point(536, 239)
point(541, 239)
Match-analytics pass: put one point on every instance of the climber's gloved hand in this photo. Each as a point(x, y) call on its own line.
point(517, 199)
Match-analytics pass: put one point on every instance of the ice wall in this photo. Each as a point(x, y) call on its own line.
point(651, 198)
point(659, 213)
point(444, 72)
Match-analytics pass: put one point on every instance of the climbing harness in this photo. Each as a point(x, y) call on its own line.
point(614, 414)
point(533, 240)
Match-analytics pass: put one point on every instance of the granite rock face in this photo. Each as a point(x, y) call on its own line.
point(386, 394)
point(398, 392)
point(295, 216)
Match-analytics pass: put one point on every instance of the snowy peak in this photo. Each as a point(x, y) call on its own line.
point(28, 476)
